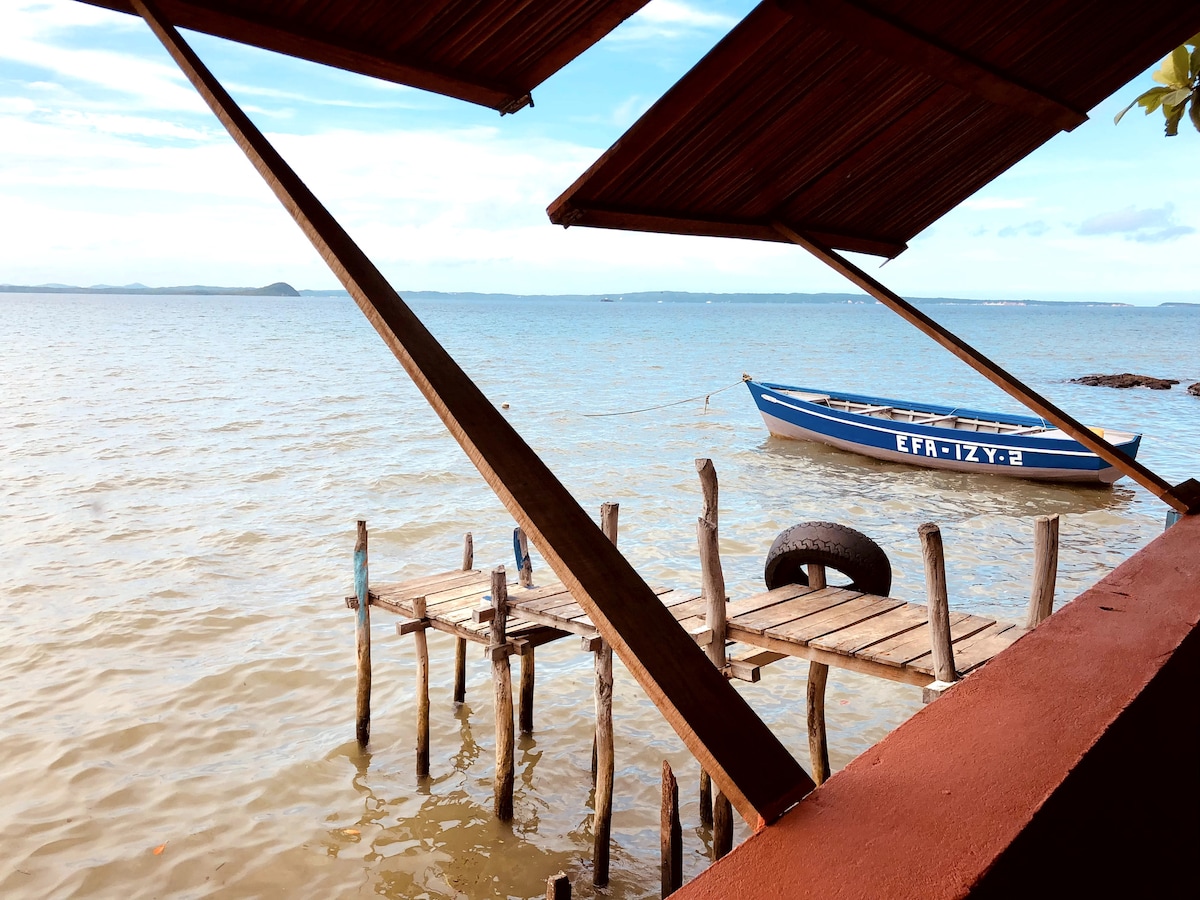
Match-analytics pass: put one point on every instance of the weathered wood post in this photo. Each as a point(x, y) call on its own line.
point(712, 586)
point(558, 887)
point(422, 691)
point(605, 759)
point(1045, 569)
point(362, 638)
point(670, 833)
point(460, 644)
point(524, 564)
point(722, 833)
point(502, 680)
point(525, 578)
point(939, 608)
point(818, 675)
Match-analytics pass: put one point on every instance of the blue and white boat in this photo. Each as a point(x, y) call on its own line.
point(939, 437)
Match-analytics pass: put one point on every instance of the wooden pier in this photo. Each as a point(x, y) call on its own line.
point(923, 645)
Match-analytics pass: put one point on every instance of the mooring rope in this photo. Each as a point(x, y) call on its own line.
point(704, 397)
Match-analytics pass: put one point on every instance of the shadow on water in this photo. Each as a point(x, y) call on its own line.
point(838, 470)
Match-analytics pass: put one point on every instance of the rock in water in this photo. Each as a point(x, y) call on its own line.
point(1194, 389)
point(1127, 380)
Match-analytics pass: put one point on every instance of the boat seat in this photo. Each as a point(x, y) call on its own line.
point(811, 398)
point(929, 420)
point(872, 410)
point(1028, 429)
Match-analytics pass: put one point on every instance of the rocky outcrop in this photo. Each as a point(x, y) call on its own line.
point(1194, 389)
point(1127, 380)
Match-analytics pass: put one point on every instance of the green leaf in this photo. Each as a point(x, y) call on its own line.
point(1153, 98)
point(1196, 62)
point(1175, 66)
point(1173, 114)
point(1194, 113)
point(1175, 98)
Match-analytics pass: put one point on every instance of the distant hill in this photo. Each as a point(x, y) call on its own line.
point(282, 289)
point(278, 289)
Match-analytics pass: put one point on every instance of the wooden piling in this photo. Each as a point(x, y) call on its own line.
point(670, 833)
point(605, 765)
point(939, 604)
point(422, 691)
point(525, 704)
point(524, 564)
point(558, 887)
point(609, 514)
point(502, 682)
point(362, 639)
point(460, 644)
point(722, 825)
point(1045, 569)
point(818, 675)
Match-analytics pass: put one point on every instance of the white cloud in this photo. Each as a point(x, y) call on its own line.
point(986, 203)
point(670, 20)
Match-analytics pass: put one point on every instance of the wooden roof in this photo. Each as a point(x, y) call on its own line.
point(861, 125)
point(490, 52)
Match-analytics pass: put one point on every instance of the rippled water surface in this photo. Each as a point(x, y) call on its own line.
point(181, 478)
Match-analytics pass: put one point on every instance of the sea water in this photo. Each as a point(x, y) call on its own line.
point(181, 477)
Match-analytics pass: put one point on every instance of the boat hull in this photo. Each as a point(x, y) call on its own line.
point(1059, 459)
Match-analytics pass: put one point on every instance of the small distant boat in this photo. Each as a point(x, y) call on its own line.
point(938, 437)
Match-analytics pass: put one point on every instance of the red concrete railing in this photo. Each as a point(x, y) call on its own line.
point(1069, 766)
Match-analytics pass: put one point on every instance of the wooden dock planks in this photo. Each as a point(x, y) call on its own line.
point(878, 636)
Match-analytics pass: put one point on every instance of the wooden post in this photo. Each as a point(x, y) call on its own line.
point(818, 675)
point(1045, 569)
point(362, 639)
point(818, 744)
point(460, 644)
point(605, 765)
point(525, 704)
point(939, 604)
point(759, 775)
point(722, 825)
point(422, 691)
point(670, 833)
point(521, 552)
point(713, 589)
point(558, 887)
point(502, 682)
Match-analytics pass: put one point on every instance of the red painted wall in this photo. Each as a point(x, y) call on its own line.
point(1069, 766)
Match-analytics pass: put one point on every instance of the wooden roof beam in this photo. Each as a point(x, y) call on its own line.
point(269, 34)
point(748, 763)
point(568, 213)
point(925, 54)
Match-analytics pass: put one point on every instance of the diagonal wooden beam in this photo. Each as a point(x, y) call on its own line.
point(1184, 497)
point(923, 53)
point(717, 725)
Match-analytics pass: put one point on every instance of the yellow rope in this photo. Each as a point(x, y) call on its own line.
point(704, 397)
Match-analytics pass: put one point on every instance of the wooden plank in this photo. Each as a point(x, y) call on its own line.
point(757, 602)
point(788, 647)
point(909, 645)
point(1185, 497)
point(413, 587)
point(714, 721)
point(918, 51)
point(858, 637)
point(973, 651)
point(774, 616)
point(843, 615)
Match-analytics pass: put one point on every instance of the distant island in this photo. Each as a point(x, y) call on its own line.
point(282, 289)
point(278, 289)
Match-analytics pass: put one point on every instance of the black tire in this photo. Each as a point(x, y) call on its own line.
point(837, 547)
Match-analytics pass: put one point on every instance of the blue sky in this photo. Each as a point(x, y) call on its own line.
point(113, 171)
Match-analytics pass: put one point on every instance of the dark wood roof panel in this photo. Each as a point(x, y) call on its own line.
point(491, 52)
point(865, 121)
